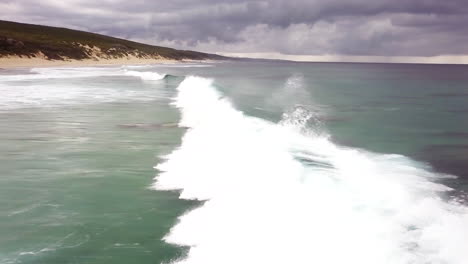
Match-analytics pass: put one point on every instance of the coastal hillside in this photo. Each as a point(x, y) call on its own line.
point(53, 43)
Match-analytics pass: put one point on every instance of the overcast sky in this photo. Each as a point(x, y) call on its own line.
point(292, 28)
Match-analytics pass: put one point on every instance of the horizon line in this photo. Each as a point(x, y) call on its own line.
point(438, 59)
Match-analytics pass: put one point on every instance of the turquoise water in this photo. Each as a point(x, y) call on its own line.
point(76, 171)
point(78, 147)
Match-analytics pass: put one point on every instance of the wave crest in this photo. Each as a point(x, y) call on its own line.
point(275, 195)
point(146, 76)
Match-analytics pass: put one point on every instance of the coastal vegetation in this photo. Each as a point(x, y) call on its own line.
point(54, 43)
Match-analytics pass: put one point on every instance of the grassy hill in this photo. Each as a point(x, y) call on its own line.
point(55, 43)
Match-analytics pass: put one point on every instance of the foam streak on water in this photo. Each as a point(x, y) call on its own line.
point(37, 88)
point(81, 72)
point(278, 195)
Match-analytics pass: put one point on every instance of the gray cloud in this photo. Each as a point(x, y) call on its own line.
point(305, 27)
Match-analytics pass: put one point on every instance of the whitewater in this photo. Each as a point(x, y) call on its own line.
point(286, 193)
point(270, 163)
point(40, 92)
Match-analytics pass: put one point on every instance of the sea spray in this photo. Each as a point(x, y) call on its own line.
point(297, 104)
point(292, 92)
point(278, 195)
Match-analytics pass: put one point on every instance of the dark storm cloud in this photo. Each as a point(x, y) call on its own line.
point(353, 27)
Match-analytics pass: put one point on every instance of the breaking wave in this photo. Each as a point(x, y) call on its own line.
point(146, 76)
point(275, 194)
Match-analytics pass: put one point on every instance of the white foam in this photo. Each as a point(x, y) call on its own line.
point(62, 95)
point(18, 94)
point(62, 73)
point(174, 65)
point(185, 65)
point(146, 76)
point(277, 195)
point(140, 66)
point(80, 72)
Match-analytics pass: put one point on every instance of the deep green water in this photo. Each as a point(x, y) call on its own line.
point(77, 153)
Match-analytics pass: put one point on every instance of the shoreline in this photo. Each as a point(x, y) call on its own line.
point(13, 62)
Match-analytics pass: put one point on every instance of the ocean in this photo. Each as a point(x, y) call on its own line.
point(234, 162)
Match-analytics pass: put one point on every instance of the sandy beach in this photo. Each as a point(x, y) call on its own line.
point(23, 62)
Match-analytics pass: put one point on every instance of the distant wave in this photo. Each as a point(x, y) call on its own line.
point(278, 194)
point(184, 65)
point(145, 75)
point(62, 73)
point(26, 90)
point(80, 72)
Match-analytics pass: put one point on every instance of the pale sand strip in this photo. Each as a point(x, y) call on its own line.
point(23, 62)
